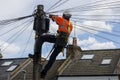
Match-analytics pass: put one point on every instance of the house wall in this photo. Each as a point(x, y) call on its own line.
point(90, 78)
point(28, 76)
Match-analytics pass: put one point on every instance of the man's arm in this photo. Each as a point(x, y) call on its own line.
point(57, 19)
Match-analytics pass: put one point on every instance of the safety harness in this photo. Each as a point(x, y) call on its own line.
point(68, 28)
point(62, 37)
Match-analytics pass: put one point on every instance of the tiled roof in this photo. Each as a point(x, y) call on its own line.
point(93, 66)
point(52, 73)
point(77, 66)
point(3, 68)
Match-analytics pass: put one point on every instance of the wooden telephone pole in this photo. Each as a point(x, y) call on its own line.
point(39, 27)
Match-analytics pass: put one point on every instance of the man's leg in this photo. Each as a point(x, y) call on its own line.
point(38, 44)
point(52, 59)
point(42, 39)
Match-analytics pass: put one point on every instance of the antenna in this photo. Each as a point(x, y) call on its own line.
point(75, 29)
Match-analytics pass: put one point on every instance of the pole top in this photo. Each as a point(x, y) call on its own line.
point(40, 7)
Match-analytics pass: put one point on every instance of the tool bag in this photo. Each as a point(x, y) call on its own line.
point(62, 39)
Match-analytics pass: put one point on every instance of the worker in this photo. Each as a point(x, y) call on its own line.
point(60, 39)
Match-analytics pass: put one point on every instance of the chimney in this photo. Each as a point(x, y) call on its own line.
point(74, 41)
point(73, 51)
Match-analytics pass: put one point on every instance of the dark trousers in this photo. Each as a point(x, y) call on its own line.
point(56, 51)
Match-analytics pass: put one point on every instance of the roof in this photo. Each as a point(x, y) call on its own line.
point(81, 66)
point(52, 73)
point(4, 72)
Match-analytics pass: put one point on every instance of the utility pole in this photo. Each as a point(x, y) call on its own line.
point(39, 27)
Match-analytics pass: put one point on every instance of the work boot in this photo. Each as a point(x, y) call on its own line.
point(34, 57)
point(43, 74)
point(31, 56)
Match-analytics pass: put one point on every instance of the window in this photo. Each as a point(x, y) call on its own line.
point(7, 63)
point(106, 61)
point(87, 56)
point(12, 68)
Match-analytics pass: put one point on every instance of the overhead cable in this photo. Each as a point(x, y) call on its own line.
point(98, 35)
point(17, 35)
point(91, 7)
point(13, 28)
point(54, 5)
point(27, 42)
point(68, 9)
point(96, 29)
point(96, 6)
point(60, 4)
point(96, 18)
point(4, 22)
point(99, 15)
point(85, 19)
point(116, 31)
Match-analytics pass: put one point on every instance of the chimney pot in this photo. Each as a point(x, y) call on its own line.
point(74, 41)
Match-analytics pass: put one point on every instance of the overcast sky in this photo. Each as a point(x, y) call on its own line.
point(90, 34)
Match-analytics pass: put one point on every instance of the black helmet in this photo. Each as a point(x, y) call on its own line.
point(67, 16)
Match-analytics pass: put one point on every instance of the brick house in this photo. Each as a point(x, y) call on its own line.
point(78, 65)
point(15, 69)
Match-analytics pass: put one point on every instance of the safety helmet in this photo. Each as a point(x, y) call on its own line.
point(67, 15)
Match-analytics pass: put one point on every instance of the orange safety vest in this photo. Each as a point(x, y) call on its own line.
point(64, 25)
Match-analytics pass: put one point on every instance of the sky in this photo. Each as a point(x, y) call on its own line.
point(96, 25)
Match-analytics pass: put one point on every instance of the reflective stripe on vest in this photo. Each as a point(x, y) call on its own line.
point(68, 28)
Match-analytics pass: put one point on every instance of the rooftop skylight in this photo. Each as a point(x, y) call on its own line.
point(12, 68)
point(7, 63)
point(87, 56)
point(106, 61)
